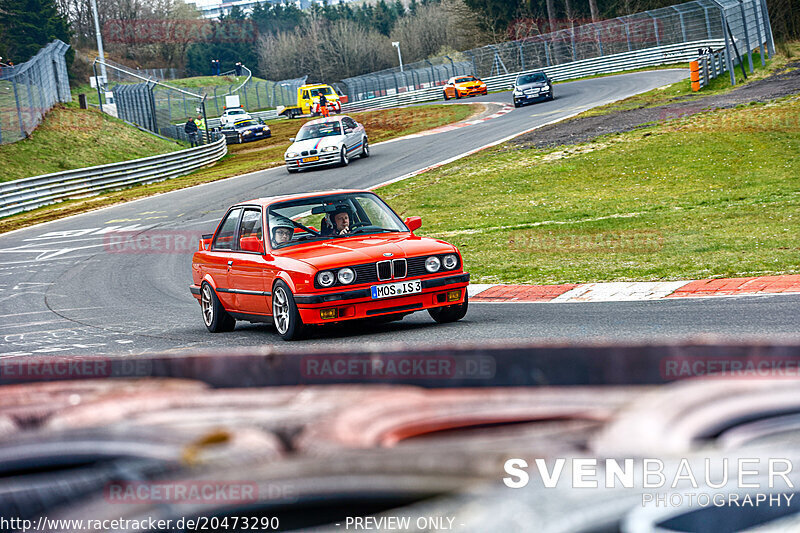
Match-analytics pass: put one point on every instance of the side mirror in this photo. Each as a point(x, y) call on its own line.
point(205, 241)
point(413, 223)
point(251, 244)
point(291, 139)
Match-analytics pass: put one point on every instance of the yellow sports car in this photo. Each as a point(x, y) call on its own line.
point(459, 86)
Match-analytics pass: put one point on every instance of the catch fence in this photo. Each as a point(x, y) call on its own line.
point(31, 89)
point(743, 25)
point(164, 109)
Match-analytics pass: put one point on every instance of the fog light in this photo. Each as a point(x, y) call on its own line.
point(453, 296)
point(327, 314)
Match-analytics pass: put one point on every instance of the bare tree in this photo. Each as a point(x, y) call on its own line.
point(324, 51)
point(594, 11)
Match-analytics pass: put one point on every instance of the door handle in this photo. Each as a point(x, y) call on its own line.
point(230, 264)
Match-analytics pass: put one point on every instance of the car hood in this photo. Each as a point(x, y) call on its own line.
point(531, 85)
point(357, 250)
point(316, 144)
point(256, 128)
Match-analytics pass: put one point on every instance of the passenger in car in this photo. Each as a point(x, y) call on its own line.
point(282, 234)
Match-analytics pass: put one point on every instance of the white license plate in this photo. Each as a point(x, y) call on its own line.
point(396, 289)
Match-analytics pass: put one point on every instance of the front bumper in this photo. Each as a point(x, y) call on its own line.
point(358, 304)
point(528, 98)
point(325, 158)
point(256, 136)
point(471, 92)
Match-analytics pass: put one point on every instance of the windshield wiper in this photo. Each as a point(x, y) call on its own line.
point(370, 230)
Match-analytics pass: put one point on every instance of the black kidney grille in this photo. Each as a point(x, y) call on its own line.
point(399, 268)
point(384, 270)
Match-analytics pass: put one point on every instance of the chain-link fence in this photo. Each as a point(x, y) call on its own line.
point(165, 109)
point(29, 90)
point(165, 73)
point(253, 95)
point(744, 24)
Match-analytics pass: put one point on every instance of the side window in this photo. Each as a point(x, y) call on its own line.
point(227, 231)
point(351, 123)
point(305, 95)
point(251, 225)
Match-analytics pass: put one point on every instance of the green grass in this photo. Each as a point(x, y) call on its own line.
point(210, 81)
point(381, 125)
point(682, 90)
point(70, 138)
point(715, 195)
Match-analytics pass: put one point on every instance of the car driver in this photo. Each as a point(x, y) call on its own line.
point(341, 222)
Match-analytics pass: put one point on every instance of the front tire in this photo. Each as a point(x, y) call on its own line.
point(343, 159)
point(451, 313)
point(285, 315)
point(446, 98)
point(215, 317)
point(365, 149)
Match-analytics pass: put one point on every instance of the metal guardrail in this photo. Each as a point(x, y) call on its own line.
point(707, 67)
point(29, 193)
point(676, 53)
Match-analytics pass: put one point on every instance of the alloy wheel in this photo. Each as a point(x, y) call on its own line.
point(207, 303)
point(280, 310)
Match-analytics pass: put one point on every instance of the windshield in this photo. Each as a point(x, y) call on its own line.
point(322, 90)
point(331, 217)
point(246, 123)
point(464, 80)
point(321, 129)
point(536, 77)
point(236, 111)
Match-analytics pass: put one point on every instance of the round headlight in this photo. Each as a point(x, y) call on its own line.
point(346, 276)
point(326, 278)
point(291, 154)
point(432, 264)
point(450, 261)
point(330, 149)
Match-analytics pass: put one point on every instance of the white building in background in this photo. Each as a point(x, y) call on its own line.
point(212, 9)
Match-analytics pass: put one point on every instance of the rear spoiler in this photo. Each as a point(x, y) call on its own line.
point(205, 241)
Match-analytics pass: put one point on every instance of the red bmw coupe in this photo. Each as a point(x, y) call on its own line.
point(322, 258)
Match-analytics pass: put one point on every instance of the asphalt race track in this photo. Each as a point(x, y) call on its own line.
point(62, 291)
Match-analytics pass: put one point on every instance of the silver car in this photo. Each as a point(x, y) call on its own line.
point(327, 141)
